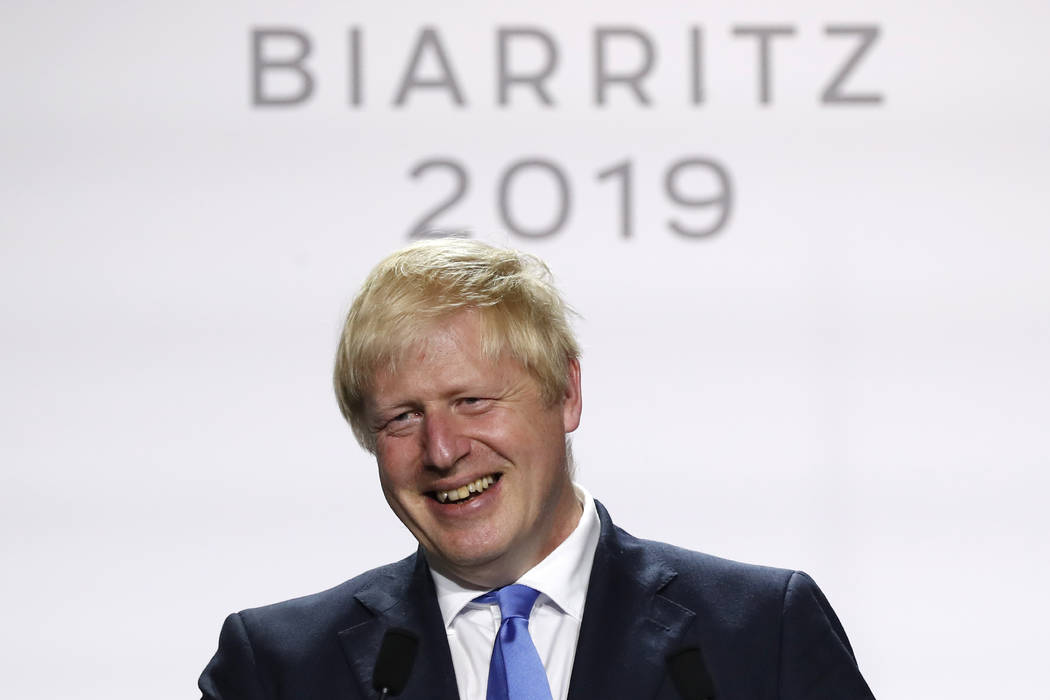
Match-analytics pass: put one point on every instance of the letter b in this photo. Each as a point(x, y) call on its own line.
point(260, 63)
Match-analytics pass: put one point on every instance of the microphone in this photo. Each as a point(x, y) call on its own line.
point(397, 653)
point(690, 675)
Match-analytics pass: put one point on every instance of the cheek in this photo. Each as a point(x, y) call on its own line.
point(394, 466)
point(529, 427)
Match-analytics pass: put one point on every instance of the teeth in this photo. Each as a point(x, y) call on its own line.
point(458, 494)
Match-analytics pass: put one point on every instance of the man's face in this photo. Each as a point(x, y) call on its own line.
point(449, 417)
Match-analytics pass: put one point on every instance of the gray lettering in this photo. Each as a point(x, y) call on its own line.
point(765, 33)
point(832, 94)
point(355, 67)
point(564, 197)
point(506, 78)
point(261, 64)
point(428, 37)
point(626, 198)
point(721, 203)
point(424, 227)
point(697, 65)
point(602, 78)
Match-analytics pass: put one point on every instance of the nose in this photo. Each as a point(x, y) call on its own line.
point(445, 444)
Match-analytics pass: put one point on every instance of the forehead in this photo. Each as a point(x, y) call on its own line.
point(447, 354)
point(445, 339)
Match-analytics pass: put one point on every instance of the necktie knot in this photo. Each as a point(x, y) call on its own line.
point(514, 601)
point(515, 671)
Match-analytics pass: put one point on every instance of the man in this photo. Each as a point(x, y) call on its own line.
point(458, 369)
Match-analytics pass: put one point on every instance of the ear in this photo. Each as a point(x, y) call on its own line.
point(572, 405)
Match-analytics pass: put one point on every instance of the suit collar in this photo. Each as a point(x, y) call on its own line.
point(628, 628)
point(404, 598)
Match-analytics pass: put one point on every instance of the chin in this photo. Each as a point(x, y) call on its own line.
point(472, 560)
point(488, 568)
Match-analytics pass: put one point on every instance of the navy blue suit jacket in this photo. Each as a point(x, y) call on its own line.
point(765, 634)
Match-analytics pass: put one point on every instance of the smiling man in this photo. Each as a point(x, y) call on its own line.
point(471, 454)
point(458, 370)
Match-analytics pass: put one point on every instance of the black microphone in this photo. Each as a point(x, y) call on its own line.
point(397, 653)
point(690, 675)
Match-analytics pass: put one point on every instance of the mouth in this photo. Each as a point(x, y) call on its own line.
point(466, 492)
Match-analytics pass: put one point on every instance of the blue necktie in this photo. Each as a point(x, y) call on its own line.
point(515, 672)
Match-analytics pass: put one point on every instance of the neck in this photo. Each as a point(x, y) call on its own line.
point(507, 569)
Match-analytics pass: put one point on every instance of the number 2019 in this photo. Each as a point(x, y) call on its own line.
point(716, 201)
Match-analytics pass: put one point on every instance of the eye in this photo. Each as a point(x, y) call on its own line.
point(474, 404)
point(403, 421)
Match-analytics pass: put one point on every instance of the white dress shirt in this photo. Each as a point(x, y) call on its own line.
point(554, 625)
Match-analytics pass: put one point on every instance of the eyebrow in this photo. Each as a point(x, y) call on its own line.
point(393, 406)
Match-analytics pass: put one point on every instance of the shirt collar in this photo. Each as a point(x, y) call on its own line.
point(562, 576)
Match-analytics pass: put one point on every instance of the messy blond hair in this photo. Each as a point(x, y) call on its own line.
point(519, 309)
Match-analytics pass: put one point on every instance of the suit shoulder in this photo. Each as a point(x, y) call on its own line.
point(717, 571)
point(289, 644)
point(326, 611)
point(724, 593)
point(704, 573)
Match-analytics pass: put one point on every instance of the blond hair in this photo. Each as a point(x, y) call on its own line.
point(519, 308)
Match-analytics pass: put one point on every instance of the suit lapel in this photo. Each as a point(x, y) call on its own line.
point(628, 628)
point(406, 599)
point(628, 631)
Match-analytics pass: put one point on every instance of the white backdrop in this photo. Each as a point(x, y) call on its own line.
point(849, 377)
